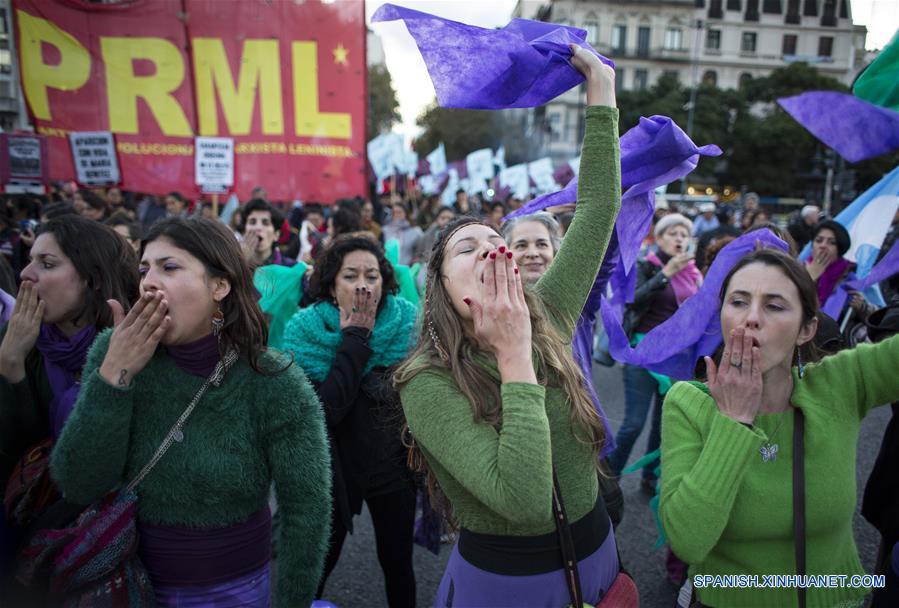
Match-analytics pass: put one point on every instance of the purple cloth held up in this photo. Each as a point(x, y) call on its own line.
point(522, 65)
point(858, 130)
point(63, 360)
point(674, 347)
point(884, 269)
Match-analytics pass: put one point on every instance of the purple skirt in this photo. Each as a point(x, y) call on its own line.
point(250, 591)
point(466, 586)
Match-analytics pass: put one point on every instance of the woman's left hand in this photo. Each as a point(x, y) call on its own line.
point(363, 312)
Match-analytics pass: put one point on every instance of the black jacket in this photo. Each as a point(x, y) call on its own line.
point(362, 414)
point(650, 283)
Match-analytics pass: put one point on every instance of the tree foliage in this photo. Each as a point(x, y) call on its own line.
point(383, 107)
point(461, 131)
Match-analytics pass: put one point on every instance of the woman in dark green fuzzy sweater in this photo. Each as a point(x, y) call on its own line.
point(203, 512)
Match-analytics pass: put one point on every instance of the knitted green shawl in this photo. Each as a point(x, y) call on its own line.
point(313, 335)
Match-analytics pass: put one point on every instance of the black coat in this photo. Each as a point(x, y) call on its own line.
point(364, 423)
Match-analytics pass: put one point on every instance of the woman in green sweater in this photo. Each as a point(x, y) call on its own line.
point(203, 515)
point(496, 404)
point(727, 451)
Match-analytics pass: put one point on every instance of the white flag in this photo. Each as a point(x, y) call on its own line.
point(480, 165)
point(541, 171)
point(429, 184)
point(500, 158)
point(383, 153)
point(449, 194)
point(437, 160)
point(410, 166)
point(516, 179)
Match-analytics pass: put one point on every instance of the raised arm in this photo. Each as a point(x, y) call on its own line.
point(565, 286)
point(508, 470)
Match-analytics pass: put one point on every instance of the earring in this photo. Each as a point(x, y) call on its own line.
point(218, 322)
point(799, 363)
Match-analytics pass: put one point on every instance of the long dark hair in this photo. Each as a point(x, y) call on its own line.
point(808, 293)
point(214, 245)
point(103, 260)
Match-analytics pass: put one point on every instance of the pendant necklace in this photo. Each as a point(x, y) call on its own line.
point(769, 450)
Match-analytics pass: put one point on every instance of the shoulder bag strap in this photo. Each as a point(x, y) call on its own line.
point(175, 433)
point(799, 497)
point(569, 557)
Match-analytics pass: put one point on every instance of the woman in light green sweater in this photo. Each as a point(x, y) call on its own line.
point(727, 451)
point(495, 402)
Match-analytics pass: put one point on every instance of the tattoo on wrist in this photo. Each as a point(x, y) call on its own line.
point(122, 377)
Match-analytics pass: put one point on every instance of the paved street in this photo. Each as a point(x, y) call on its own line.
point(357, 581)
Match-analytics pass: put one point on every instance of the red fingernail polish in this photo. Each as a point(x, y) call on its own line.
point(502, 249)
point(466, 300)
point(509, 255)
point(493, 255)
point(516, 271)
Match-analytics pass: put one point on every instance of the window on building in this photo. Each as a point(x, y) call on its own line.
point(710, 78)
point(792, 12)
point(745, 79)
point(643, 33)
point(673, 38)
point(700, 3)
point(5, 89)
point(713, 40)
point(772, 7)
point(829, 13)
point(810, 8)
point(752, 10)
point(735, 5)
point(789, 44)
point(747, 42)
point(672, 75)
point(715, 11)
point(825, 46)
point(592, 28)
point(619, 79)
point(844, 9)
point(641, 79)
point(3, 29)
point(619, 38)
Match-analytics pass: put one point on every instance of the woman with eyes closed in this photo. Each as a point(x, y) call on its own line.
point(348, 342)
point(727, 444)
point(495, 403)
point(202, 511)
point(76, 265)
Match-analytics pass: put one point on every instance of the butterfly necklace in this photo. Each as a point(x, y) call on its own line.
point(769, 450)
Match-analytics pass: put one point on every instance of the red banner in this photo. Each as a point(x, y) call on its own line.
point(284, 79)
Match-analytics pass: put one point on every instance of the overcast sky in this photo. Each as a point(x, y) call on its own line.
point(413, 86)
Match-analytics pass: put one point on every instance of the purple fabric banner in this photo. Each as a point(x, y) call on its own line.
point(884, 269)
point(856, 129)
point(522, 65)
point(674, 347)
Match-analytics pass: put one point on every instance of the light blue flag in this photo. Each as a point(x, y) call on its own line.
point(437, 160)
point(229, 209)
point(868, 219)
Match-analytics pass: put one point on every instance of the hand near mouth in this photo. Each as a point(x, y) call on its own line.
point(21, 333)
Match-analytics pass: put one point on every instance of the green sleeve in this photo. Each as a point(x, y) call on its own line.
point(90, 457)
point(296, 447)
point(705, 456)
point(567, 283)
point(508, 470)
point(870, 371)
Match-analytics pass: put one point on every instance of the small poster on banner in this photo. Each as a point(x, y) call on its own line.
point(214, 164)
point(25, 158)
point(95, 159)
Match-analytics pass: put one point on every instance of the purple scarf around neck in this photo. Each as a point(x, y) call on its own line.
point(685, 283)
point(198, 358)
point(828, 281)
point(7, 303)
point(63, 360)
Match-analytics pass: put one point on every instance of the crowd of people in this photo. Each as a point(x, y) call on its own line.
point(140, 392)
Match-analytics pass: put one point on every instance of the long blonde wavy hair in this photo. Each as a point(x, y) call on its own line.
point(444, 344)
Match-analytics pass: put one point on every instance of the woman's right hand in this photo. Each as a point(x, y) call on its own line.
point(676, 264)
point(135, 337)
point(600, 77)
point(736, 386)
point(363, 313)
point(21, 333)
point(502, 321)
point(818, 264)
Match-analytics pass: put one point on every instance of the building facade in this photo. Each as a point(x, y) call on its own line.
point(718, 42)
point(12, 104)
